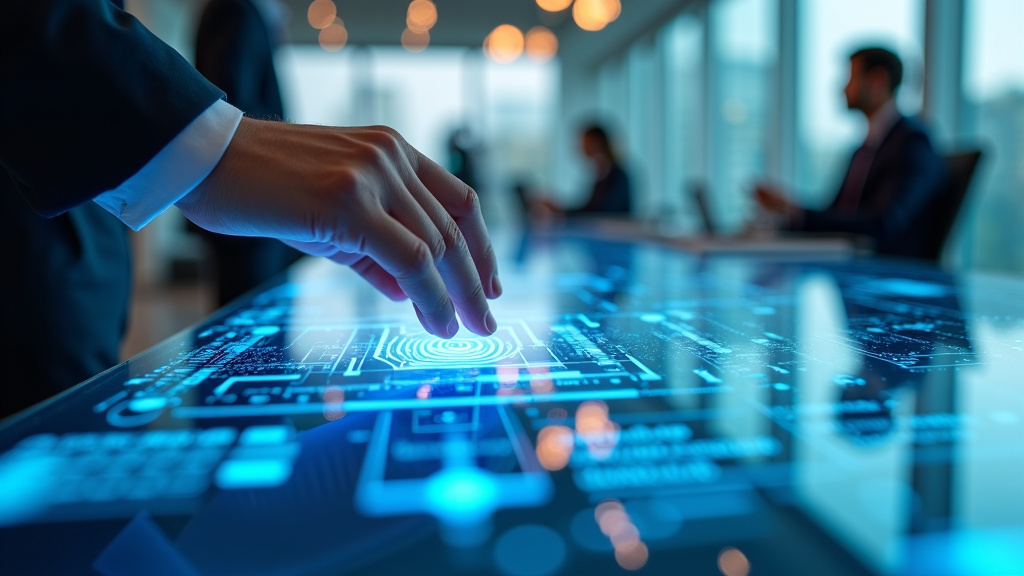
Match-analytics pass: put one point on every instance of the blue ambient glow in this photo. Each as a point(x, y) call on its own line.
point(237, 474)
point(27, 483)
point(462, 494)
point(424, 351)
point(530, 550)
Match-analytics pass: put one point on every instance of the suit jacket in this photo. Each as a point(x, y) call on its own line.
point(89, 96)
point(235, 51)
point(906, 177)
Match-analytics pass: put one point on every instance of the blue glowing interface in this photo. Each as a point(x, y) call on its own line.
point(638, 409)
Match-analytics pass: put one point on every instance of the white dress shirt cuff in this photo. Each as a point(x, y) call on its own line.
point(176, 170)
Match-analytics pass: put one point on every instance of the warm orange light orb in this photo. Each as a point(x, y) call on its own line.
point(594, 15)
point(421, 16)
point(334, 36)
point(504, 44)
point(632, 556)
point(554, 447)
point(554, 5)
point(732, 562)
point(321, 13)
point(541, 44)
point(415, 41)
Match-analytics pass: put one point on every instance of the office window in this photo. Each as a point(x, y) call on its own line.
point(742, 67)
point(642, 130)
point(519, 105)
point(508, 108)
point(828, 31)
point(682, 44)
point(993, 115)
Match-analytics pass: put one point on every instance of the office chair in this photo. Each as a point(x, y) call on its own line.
point(960, 168)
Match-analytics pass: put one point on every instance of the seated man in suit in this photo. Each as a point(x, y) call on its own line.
point(893, 178)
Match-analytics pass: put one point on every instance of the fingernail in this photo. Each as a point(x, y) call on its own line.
point(453, 327)
point(496, 286)
point(492, 326)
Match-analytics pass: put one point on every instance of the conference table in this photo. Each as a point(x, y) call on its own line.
point(641, 408)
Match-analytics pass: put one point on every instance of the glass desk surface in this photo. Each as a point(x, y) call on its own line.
point(639, 409)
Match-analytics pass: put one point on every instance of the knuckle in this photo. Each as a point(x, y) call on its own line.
point(452, 236)
point(417, 264)
point(386, 139)
point(372, 152)
point(489, 257)
point(438, 246)
point(476, 294)
point(471, 205)
point(343, 183)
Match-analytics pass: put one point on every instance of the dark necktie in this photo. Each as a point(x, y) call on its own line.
point(853, 186)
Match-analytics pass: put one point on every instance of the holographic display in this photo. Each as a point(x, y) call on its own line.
point(637, 409)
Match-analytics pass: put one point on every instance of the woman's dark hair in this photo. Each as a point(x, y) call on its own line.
point(600, 135)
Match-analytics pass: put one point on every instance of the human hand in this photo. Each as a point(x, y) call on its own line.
point(365, 198)
point(773, 199)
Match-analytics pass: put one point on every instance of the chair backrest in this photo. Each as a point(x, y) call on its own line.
point(698, 193)
point(960, 167)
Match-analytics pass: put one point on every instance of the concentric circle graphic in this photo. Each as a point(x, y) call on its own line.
point(423, 351)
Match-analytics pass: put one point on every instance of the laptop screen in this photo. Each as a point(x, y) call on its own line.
point(638, 409)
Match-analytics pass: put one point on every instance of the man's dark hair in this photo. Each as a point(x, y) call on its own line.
point(875, 58)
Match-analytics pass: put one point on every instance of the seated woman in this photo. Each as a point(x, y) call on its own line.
point(610, 194)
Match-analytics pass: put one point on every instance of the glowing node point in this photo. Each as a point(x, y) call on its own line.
point(462, 495)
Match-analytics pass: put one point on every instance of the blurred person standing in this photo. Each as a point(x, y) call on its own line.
point(894, 178)
point(235, 46)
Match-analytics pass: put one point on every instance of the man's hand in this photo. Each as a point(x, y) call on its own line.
point(365, 198)
point(773, 199)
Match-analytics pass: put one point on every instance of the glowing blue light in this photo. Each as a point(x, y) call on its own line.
point(424, 351)
point(848, 381)
point(28, 482)
point(267, 330)
point(462, 494)
point(262, 435)
point(652, 318)
point(237, 474)
point(150, 404)
point(905, 287)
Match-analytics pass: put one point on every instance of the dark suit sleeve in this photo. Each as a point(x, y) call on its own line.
point(233, 51)
point(89, 97)
point(913, 179)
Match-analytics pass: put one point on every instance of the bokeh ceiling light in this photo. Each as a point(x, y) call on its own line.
point(415, 41)
point(504, 44)
point(334, 36)
point(321, 13)
point(421, 16)
point(594, 15)
point(554, 5)
point(541, 44)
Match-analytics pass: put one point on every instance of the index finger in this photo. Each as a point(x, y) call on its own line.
point(462, 203)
